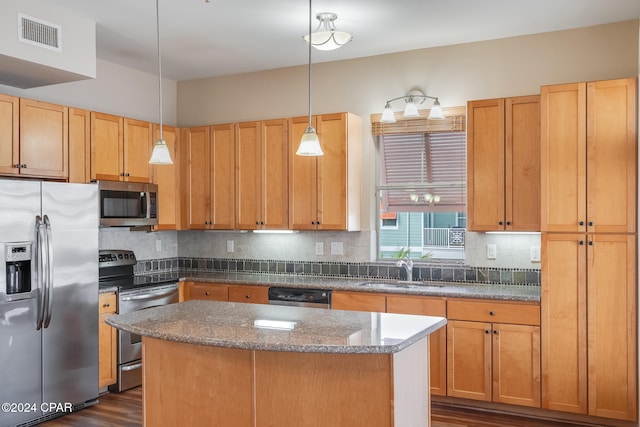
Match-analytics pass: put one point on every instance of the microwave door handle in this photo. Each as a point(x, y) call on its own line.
point(49, 271)
point(144, 204)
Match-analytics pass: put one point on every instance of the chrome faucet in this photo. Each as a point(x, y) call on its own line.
point(407, 263)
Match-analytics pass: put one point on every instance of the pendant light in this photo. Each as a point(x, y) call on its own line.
point(309, 143)
point(160, 154)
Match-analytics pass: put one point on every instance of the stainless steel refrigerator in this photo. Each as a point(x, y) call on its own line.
point(48, 299)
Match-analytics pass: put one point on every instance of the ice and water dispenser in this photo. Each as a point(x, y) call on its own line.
point(17, 261)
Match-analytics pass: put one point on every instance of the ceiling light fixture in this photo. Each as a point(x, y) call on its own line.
point(412, 100)
point(326, 37)
point(160, 154)
point(309, 143)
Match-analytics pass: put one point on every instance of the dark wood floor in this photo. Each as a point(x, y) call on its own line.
point(125, 410)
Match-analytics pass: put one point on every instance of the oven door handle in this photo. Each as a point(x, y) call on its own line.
point(132, 367)
point(150, 295)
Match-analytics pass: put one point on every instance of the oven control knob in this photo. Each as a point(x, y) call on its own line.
point(119, 256)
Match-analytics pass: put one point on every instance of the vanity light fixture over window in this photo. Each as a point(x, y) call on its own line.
point(160, 154)
point(412, 100)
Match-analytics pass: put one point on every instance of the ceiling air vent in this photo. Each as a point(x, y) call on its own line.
point(40, 33)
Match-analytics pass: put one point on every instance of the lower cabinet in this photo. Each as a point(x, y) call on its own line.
point(107, 341)
point(222, 292)
point(250, 294)
point(358, 301)
point(493, 352)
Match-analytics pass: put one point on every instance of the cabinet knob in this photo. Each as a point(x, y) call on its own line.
point(492, 313)
point(581, 242)
point(317, 222)
point(257, 223)
point(261, 222)
point(499, 222)
point(24, 166)
point(486, 331)
point(581, 223)
point(508, 222)
point(590, 242)
point(127, 174)
point(247, 296)
point(313, 222)
point(16, 166)
point(495, 332)
point(107, 305)
point(121, 173)
point(206, 293)
point(590, 224)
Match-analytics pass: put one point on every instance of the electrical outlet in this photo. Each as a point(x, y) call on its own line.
point(492, 252)
point(230, 246)
point(337, 248)
point(534, 253)
point(319, 248)
point(158, 245)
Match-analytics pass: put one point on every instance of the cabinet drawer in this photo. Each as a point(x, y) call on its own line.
point(358, 302)
point(251, 294)
point(208, 292)
point(107, 303)
point(428, 306)
point(494, 311)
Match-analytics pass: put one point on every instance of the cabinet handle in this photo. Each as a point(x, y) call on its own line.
point(508, 222)
point(581, 223)
point(492, 313)
point(261, 222)
point(16, 166)
point(581, 242)
point(495, 332)
point(121, 173)
point(24, 166)
point(247, 296)
point(127, 174)
point(107, 305)
point(499, 222)
point(257, 223)
point(590, 242)
point(313, 222)
point(206, 293)
point(486, 331)
point(317, 222)
point(590, 223)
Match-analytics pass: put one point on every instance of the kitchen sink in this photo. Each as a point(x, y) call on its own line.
point(403, 284)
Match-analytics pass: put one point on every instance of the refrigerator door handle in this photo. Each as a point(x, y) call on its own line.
point(49, 271)
point(40, 294)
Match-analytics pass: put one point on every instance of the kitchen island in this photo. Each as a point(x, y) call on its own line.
point(235, 364)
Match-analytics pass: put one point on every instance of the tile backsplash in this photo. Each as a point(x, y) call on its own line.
point(377, 270)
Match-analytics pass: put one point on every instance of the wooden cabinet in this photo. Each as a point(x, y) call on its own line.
point(428, 306)
point(9, 134)
point(107, 341)
point(324, 191)
point(249, 293)
point(358, 301)
point(493, 352)
point(589, 332)
point(166, 177)
point(589, 156)
point(209, 196)
point(503, 164)
point(120, 148)
point(79, 145)
point(261, 174)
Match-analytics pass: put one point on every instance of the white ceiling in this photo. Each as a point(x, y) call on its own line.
point(222, 37)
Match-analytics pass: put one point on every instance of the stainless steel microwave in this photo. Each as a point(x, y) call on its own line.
point(128, 204)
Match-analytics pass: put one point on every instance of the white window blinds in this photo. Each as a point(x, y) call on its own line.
point(417, 167)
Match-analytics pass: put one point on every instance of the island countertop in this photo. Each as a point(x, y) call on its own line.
point(278, 328)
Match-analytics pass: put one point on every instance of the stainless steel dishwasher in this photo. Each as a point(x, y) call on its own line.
point(300, 297)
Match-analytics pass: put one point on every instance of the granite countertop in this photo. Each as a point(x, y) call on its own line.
point(278, 328)
point(441, 289)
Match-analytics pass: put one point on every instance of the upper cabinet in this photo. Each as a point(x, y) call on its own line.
point(503, 164)
point(34, 138)
point(210, 184)
point(589, 154)
point(262, 175)
point(79, 145)
point(120, 148)
point(324, 191)
point(166, 177)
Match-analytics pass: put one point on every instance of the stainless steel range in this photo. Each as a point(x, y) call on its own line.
point(134, 293)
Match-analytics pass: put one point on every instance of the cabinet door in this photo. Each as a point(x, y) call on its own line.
point(166, 178)
point(106, 147)
point(522, 163)
point(612, 326)
point(563, 322)
point(137, 150)
point(44, 139)
point(358, 301)
point(248, 174)
point(249, 294)
point(9, 136)
point(516, 364)
point(612, 139)
point(563, 157)
point(107, 341)
point(222, 178)
point(469, 360)
point(303, 203)
point(485, 165)
point(79, 145)
point(332, 172)
point(198, 181)
point(428, 306)
point(275, 174)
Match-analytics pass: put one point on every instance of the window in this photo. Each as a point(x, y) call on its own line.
point(422, 193)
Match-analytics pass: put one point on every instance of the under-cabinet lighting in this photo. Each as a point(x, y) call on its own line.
point(511, 233)
point(276, 231)
point(274, 324)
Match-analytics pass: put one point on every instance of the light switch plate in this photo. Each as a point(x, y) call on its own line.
point(534, 253)
point(319, 248)
point(158, 245)
point(492, 251)
point(230, 246)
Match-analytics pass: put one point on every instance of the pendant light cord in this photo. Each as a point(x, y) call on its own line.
point(310, 63)
point(159, 65)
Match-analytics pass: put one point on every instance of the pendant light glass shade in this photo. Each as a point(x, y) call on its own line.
point(436, 112)
point(387, 115)
point(160, 154)
point(410, 109)
point(326, 37)
point(309, 144)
